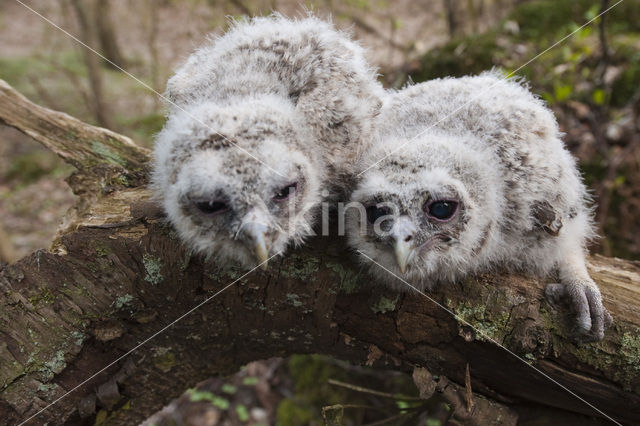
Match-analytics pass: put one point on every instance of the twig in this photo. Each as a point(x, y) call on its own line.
point(387, 420)
point(468, 391)
point(371, 391)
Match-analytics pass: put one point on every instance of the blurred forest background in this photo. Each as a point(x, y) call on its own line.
point(591, 81)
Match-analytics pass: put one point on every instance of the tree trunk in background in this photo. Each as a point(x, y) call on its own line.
point(452, 20)
point(154, 65)
point(121, 314)
point(92, 63)
point(106, 35)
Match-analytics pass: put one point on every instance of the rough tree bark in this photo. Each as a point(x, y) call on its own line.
point(117, 274)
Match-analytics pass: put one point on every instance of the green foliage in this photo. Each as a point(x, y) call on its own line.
point(598, 96)
point(229, 388)
point(544, 19)
point(215, 400)
point(384, 304)
point(457, 58)
point(15, 70)
point(243, 413)
point(250, 381)
point(290, 413)
point(48, 79)
point(310, 375)
point(566, 72)
point(628, 83)
point(562, 92)
point(31, 166)
point(144, 127)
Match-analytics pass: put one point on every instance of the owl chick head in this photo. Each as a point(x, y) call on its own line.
point(236, 180)
point(427, 209)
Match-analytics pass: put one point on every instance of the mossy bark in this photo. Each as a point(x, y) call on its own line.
point(117, 278)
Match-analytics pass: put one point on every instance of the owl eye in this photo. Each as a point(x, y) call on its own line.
point(286, 192)
point(374, 213)
point(211, 207)
point(442, 210)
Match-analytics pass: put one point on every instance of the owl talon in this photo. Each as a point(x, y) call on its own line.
point(555, 293)
point(592, 318)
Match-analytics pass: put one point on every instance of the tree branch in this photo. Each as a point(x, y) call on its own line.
point(118, 275)
point(98, 154)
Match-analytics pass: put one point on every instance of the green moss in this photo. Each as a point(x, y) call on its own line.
point(384, 304)
point(44, 297)
point(107, 154)
point(163, 359)
point(623, 364)
point(78, 338)
point(289, 413)
point(122, 301)
point(120, 180)
point(631, 349)
point(101, 417)
point(294, 300)
point(347, 279)
point(48, 388)
point(55, 364)
point(487, 324)
point(300, 267)
point(153, 268)
point(102, 251)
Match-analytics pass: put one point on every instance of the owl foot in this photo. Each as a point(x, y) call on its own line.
point(584, 297)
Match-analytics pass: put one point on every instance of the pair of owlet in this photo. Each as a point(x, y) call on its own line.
point(262, 123)
point(472, 175)
point(468, 174)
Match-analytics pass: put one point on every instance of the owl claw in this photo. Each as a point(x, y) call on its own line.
point(592, 318)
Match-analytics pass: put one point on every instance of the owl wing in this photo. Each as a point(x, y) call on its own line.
point(546, 218)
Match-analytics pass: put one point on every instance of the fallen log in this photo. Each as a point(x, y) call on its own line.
point(117, 317)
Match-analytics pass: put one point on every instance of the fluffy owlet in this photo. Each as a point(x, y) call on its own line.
point(484, 181)
point(262, 121)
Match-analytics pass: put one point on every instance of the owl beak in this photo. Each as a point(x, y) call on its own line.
point(257, 240)
point(402, 232)
point(260, 249)
point(404, 254)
